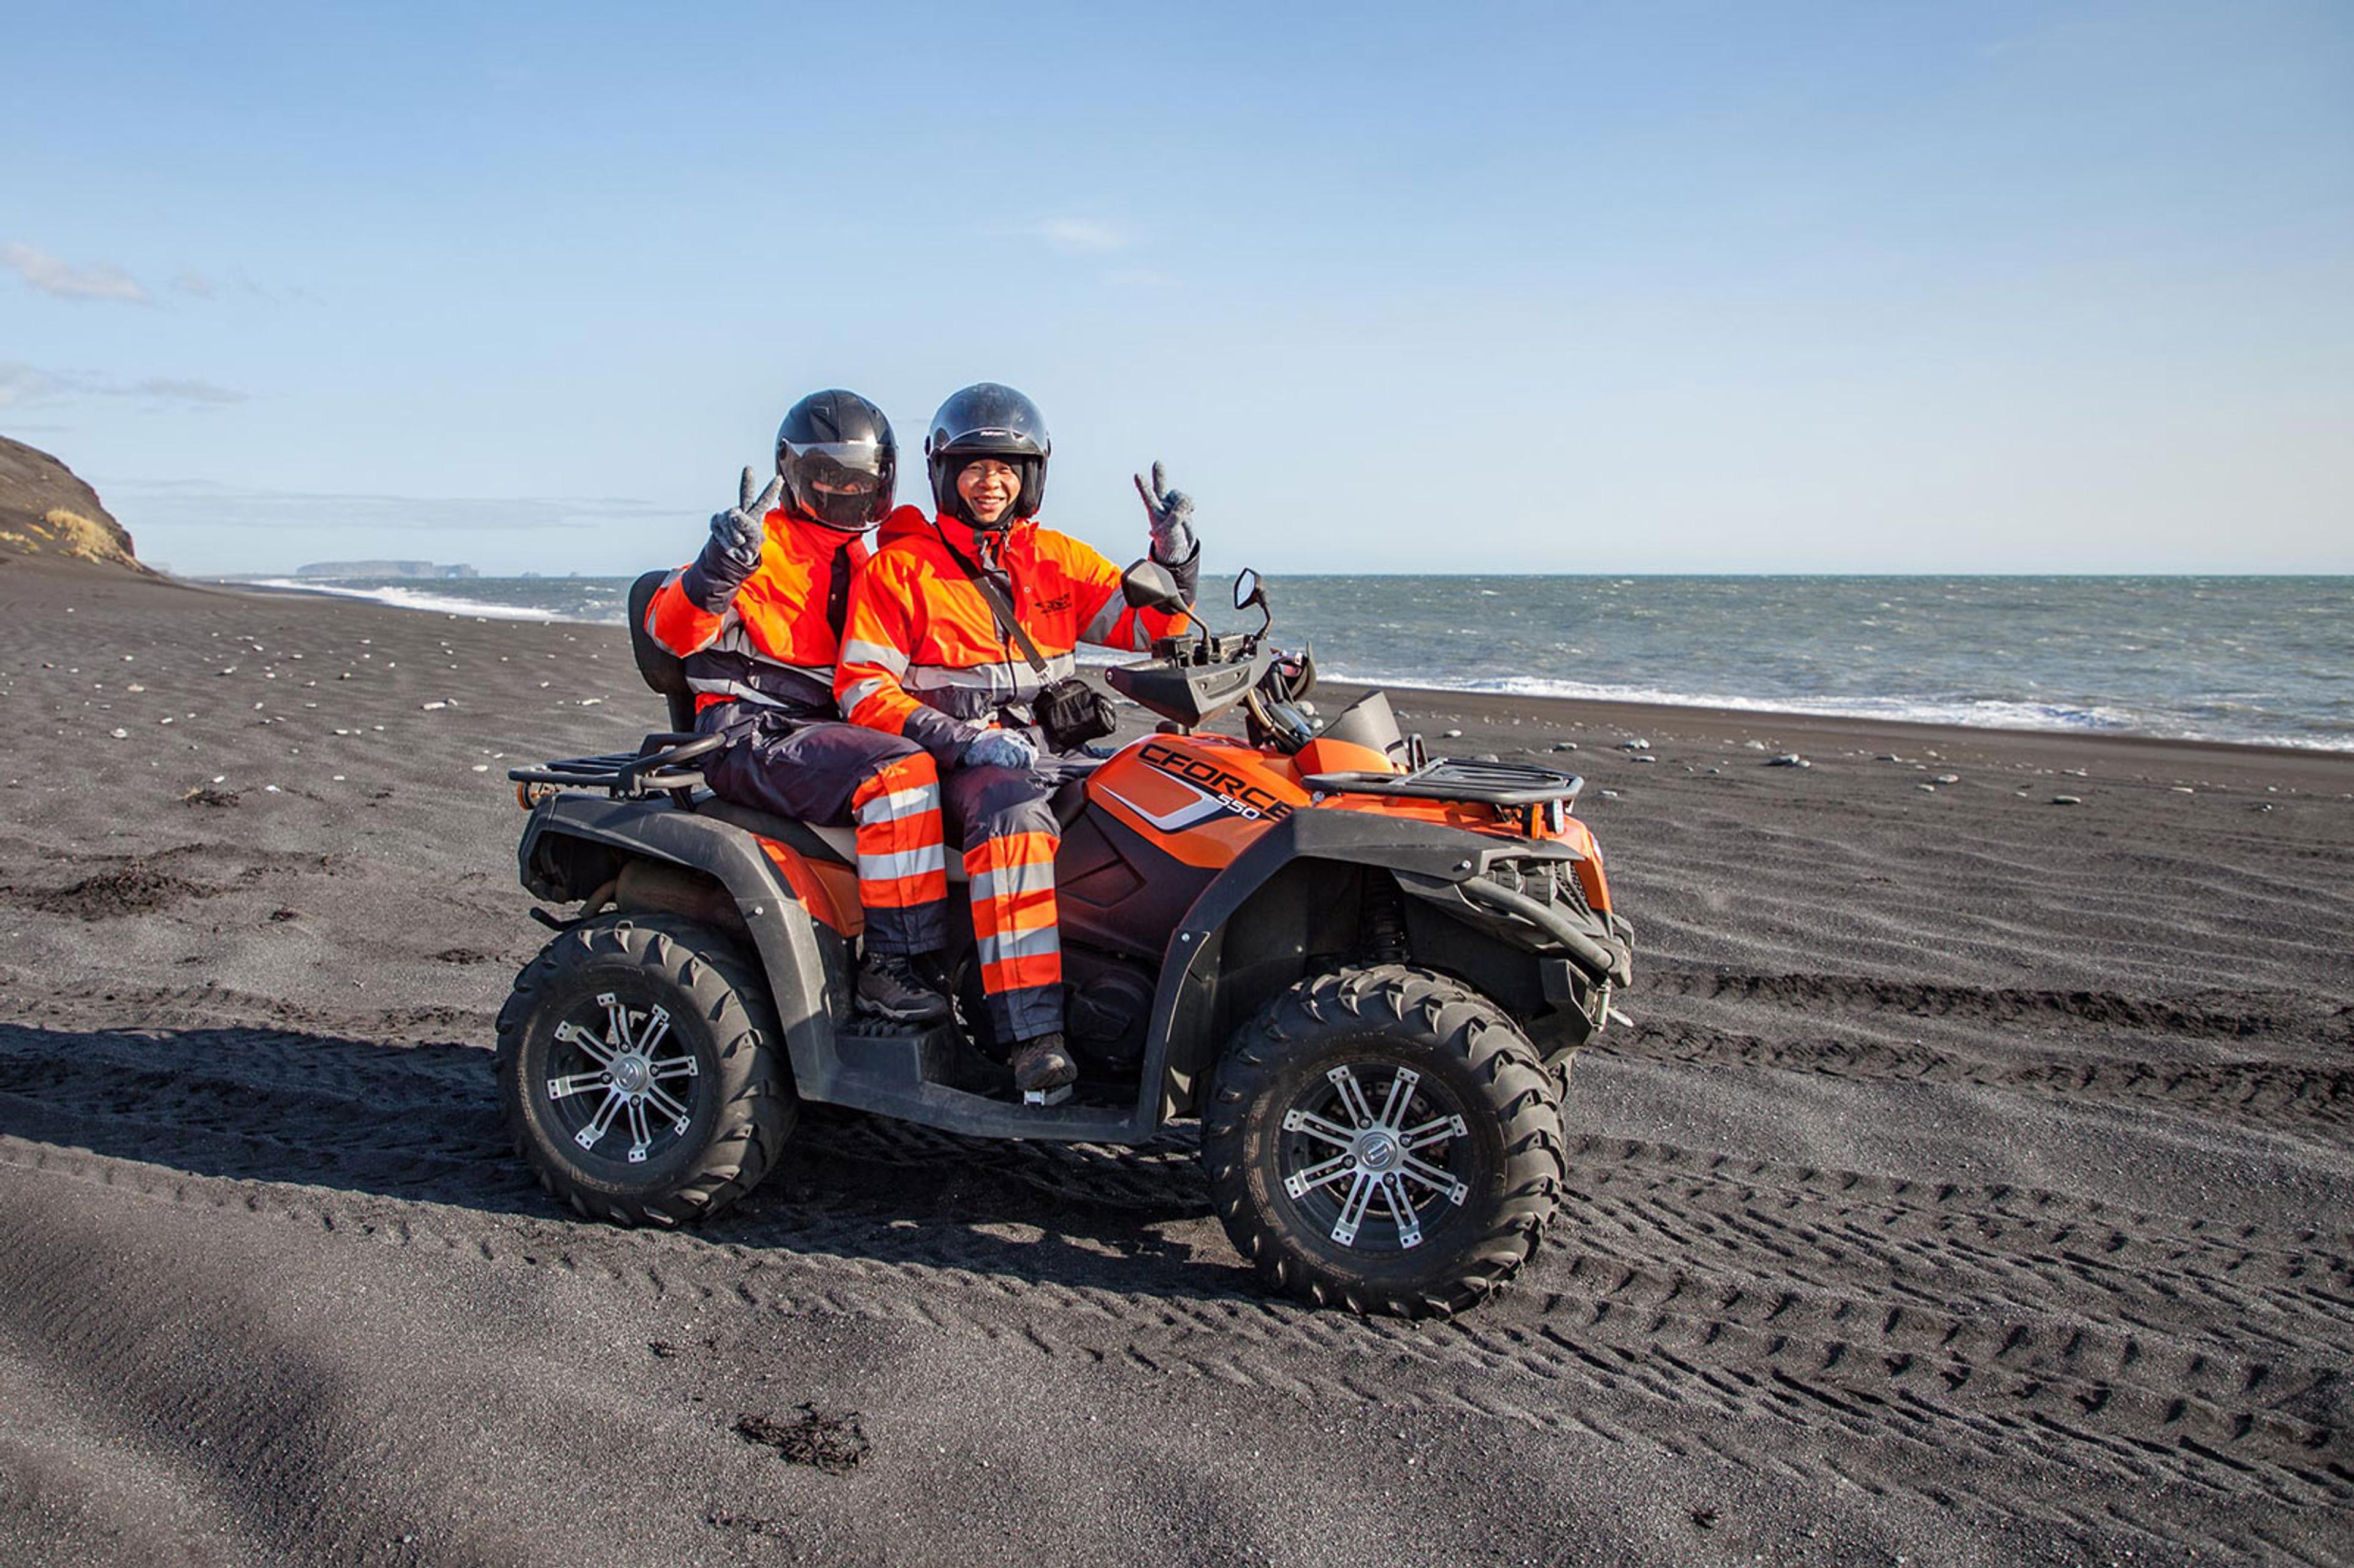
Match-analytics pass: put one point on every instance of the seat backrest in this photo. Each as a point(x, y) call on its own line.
point(663, 671)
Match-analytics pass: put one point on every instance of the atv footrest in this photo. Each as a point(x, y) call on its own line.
point(902, 1057)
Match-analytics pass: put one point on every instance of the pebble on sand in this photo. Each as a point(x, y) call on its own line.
point(1949, 779)
point(2067, 799)
point(1788, 759)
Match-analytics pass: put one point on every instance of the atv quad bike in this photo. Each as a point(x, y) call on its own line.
point(1364, 972)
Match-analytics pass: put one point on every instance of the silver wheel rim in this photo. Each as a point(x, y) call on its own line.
point(620, 1086)
point(1372, 1155)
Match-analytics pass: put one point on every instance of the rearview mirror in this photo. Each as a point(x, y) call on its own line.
point(1148, 586)
point(1247, 592)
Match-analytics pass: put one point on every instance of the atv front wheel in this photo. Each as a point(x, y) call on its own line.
point(642, 1069)
point(1384, 1139)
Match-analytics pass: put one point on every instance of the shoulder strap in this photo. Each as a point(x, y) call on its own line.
point(1000, 606)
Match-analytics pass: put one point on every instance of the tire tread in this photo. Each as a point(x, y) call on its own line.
point(726, 991)
point(1400, 1002)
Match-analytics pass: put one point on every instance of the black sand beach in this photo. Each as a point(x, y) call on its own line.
point(1974, 1186)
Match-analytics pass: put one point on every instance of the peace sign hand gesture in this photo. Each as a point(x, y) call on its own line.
point(733, 552)
point(1170, 513)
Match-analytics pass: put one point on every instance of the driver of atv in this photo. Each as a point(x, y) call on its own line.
point(756, 617)
point(926, 658)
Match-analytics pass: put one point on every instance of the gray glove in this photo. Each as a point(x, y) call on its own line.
point(1001, 748)
point(1171, 513)
point(733, 553)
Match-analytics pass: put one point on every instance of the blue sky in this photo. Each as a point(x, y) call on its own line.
point(1732, 286)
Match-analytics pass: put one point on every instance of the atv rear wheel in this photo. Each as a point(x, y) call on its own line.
point(1384, 1139)
point(643, 1072)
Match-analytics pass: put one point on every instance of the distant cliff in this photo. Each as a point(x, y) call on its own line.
point(47, 512)
point(382, 569)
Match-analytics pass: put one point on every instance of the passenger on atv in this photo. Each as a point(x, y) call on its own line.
point(756, 617)
point(960, 640)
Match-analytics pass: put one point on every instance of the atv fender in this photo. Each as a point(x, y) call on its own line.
point(1291, 898)
point(553, 868)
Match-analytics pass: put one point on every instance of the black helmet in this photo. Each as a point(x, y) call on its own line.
point(992, 421)
point(839, 461)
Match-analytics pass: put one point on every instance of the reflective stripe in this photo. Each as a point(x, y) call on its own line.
point(1019, 944)
point(859, 652)
point(1100, 629)
point(1008, 881)
point(734, 639)
point(1016, 679)
point(735, 689)
point(855, 696)
point(903, 863)
point(1033, 983)
point(900, 803)
point(927, 895)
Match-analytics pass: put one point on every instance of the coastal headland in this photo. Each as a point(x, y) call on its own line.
point(1972, 1184)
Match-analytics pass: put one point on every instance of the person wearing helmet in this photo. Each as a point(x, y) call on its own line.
point(927, 657)
point(758, 617)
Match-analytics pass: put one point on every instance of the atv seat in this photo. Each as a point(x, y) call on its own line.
point(841, 845)
point(663, 671)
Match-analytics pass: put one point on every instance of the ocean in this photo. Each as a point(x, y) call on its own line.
point(2254, 660)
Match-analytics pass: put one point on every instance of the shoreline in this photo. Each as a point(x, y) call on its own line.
point(1632, 712)
point(2320, 769)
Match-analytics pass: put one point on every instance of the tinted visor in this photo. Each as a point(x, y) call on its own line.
point(843, 468)
point(846, 484)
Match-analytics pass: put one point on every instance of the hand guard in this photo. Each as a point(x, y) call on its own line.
point(736, 536)
point(1172, 515)
point(1001, 748)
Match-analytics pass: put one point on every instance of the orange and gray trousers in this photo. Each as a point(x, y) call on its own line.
point(831, 773)
point(1006, 826)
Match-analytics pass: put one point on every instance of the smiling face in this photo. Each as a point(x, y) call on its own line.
point(988, 487)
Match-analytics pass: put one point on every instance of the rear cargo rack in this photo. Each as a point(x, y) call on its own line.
point(1449, 778)
point(652, 770)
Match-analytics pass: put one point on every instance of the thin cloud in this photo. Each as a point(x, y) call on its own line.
point(64, 280)
point(26, 386)
point(194, 283)
point(1081, 236)
point(174, 389)
point(22, 385)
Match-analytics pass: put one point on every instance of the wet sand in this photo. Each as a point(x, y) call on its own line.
point(1973, 1186)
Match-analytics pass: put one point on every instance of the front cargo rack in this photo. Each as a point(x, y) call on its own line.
point(1450, 779)
point(653, 769)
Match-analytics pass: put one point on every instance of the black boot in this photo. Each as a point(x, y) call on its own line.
point(889, 987)
point(1043, 1063)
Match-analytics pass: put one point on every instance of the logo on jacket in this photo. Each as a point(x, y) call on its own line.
point(1219, 792)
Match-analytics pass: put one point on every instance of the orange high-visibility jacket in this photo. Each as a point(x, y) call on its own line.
point(773, 644)
point(921, 654)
